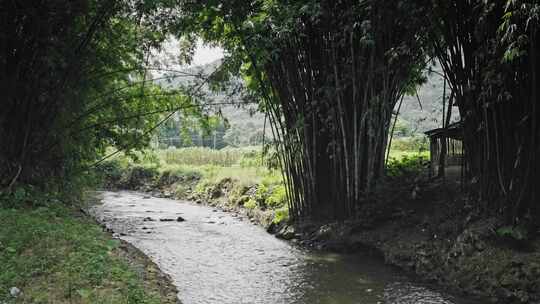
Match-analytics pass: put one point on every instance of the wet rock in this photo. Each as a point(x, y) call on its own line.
point(272, 228)
point(216, 192)
point(166, 220)
point(180, 219)
point(286, 233)
point(144, 228)
point(14, 292)
point(148, 219)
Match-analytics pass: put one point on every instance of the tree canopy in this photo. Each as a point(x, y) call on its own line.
point(327, 74)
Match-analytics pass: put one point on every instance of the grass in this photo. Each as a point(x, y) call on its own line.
point(400, 154)
point(55, 255)
point(197, 156)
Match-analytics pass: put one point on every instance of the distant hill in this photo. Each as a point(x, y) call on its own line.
point(426, 114)
point(415, 116)
point(236, 115)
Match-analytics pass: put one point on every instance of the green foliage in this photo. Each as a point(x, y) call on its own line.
point(86, 88)
point(406, 166)
point(277, 197)
point(181, 191)
point(31, 196)
point(251, 204)
point(514, 232)
point(414, 143)
point(110, 172)
point(281, 215)
point(55, 257)
point(261, 194)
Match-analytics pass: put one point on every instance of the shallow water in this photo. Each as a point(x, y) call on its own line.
point(217, 257)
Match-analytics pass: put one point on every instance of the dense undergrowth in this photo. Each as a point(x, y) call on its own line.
point(246, 183)
point(55, 254)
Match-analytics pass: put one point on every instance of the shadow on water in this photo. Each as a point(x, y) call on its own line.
point(215, 257)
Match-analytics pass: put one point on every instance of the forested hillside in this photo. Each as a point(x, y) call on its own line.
point(420, 111)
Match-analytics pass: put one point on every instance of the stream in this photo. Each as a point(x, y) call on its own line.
point(215, 257)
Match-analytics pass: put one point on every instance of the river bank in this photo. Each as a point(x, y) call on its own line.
point(218, 257)
point(52, 252)
point(423, 227)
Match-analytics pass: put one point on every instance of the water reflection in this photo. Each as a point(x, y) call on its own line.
point(214, 257)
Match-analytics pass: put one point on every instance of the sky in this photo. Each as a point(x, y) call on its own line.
point(169, 54)
point(206, 54)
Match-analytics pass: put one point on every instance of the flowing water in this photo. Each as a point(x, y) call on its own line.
point(215, 257)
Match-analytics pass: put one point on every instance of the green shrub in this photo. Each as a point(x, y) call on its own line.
point(110, 172)
point(281, 215)
point(261, 194)
point(250, 204)
point(181, 191)
point(514, 232)
point(407, 165)
point(172, 175)
point(138, 175)
point(415, 143)
point(277, 198)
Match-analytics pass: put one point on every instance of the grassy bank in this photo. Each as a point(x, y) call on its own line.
point(55, 254)
point(232, 178)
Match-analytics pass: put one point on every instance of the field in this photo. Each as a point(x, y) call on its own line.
point(246, 166)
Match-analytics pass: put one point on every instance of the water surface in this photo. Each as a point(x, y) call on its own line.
point(215, 257)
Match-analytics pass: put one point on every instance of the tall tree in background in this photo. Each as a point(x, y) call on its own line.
point(329, 74)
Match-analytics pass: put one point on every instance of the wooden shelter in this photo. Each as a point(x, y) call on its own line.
point(447, 152)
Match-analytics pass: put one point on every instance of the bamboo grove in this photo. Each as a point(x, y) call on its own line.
point(330, 73)
point(335, 83)
point(488, 51)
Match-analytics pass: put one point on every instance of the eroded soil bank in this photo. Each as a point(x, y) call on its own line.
point(425, 228)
